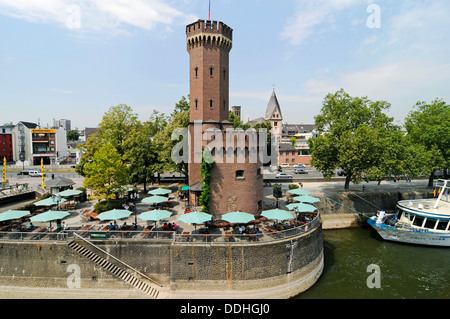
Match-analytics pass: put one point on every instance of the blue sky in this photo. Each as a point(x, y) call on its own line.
point(68, 59)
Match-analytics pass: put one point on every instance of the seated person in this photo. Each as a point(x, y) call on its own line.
point(111, 227)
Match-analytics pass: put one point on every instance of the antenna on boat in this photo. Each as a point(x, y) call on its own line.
point(441, 192)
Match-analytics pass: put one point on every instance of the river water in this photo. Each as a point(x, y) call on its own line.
point(405, 271)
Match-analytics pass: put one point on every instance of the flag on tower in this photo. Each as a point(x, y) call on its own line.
point(209, 10)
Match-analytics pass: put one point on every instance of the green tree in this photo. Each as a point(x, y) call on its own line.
point(354, 134)
point(164, 144)
point(428, 128)
point(72, 135)
point(237, 122)
point(106, 171)
point(116, 126)
point(139, 154)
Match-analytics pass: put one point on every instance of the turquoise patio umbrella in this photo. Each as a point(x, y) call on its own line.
point(301, 208)
point(238, 217)
point(307, 199)
point(69, 193)
point(277, 214)
point(13, 214)
point(160, 191)
point(51, 201)
point(114, 214)
point(185, 188)
point(195, 218)
point(155, 200)
point(155, 215)
point(299, 191)
point(50, 216)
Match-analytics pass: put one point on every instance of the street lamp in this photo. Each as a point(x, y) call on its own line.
point(134, 196)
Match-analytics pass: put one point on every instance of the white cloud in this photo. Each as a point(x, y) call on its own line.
point(95, 15)
point(404, 82)
point(310, 15)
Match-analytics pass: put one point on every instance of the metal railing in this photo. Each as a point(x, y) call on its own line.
point(266, 234)
point(263, 236)
point(87, 235)
point(30, 236)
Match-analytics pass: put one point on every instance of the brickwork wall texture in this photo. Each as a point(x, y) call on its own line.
point(209, 44)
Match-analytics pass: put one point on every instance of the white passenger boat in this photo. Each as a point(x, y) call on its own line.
point(421, 221)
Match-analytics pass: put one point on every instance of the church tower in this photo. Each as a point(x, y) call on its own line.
point(274, 116)
point(235, 185)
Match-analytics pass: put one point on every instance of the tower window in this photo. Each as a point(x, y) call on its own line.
point(196, 72)
point(224, 74)
point(239, 174)
point(211, 71)
point(211, 103)
point(196, 104)
point(224, 105)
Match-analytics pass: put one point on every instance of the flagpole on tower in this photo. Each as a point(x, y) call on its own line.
point(209, 10)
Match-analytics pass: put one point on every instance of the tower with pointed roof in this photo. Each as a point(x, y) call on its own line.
point(273, 114)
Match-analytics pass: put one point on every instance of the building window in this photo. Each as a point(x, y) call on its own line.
point(196, 72)
point(196, 104)
point(224, 74)
point(224, 105)
point(211, 71)
point(240, 174)
point(211, 103)
point(275, 123)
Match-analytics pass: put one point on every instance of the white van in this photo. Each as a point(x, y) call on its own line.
point(34, 173)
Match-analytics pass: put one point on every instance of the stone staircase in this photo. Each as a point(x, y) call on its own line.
point(116, 270)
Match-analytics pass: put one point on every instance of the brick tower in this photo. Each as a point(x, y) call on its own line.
point(234, 186)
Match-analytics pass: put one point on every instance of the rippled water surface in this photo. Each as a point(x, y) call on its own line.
point(407, 271)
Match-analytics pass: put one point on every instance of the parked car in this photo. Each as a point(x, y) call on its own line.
point(341, 173)
point(35, 173)
point(284, 165)
point(300, 166)
point(24, 172)
point(283, 175)
point(300, 171)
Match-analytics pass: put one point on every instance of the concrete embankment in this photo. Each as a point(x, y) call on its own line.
point(349, 208)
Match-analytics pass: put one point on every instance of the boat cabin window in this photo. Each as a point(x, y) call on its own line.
point(418, 221)
point(430, 223)
point(442, 225)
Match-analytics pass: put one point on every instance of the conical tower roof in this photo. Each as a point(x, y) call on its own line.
point(272, 107)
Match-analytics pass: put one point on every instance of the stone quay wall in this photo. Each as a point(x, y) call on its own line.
point(356, 205)
point(276, 269)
